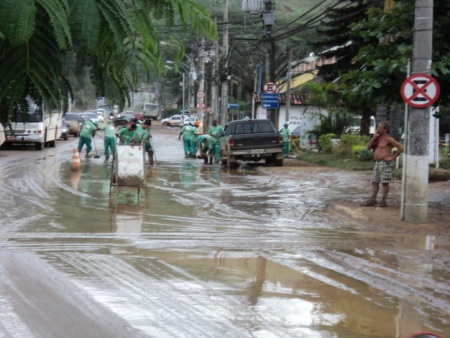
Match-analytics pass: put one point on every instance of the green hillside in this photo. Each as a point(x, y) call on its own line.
point(288, 15)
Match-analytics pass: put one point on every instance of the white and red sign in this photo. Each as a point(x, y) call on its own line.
point(200, 94)
point(420, 90)
point(270, 87)
point(201, 105)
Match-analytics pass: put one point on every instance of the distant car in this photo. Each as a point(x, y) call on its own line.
point(123, 118)
point(190, 119)
point(74, 122)
point(101, 114)
point(173, 121)
point(91, 116)
point(64, 130)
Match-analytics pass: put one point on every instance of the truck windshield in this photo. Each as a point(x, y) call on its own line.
point(252, 127)
point(34, 113)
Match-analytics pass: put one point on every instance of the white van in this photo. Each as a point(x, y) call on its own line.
point(2, 135)
point(34, 127)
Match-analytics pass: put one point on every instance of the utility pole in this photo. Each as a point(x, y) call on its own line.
point(415, 197)
point(201, 89)
point(215, 84)
point(224, 74)
point(267, 36)
point(288, 80)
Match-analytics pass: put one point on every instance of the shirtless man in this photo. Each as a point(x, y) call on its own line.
point(382, 144)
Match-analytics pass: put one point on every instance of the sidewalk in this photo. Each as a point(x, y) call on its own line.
point(386, 219)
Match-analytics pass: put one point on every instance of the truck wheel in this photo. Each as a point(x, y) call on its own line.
point(52, 144)
point(231, 162)
point(279, 163)
point(38, 145)
point(270, 160)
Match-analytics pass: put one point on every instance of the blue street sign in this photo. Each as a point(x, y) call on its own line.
point(233, 105)
point(270, 101)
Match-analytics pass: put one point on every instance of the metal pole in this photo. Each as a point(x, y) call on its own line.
point(224, 76)
point(417, 171)
point(184, 90)
point(405, 151)
point(288, 90)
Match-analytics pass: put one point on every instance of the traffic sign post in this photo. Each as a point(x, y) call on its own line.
point(270, 87)
point(270, 101)
point(420, 90)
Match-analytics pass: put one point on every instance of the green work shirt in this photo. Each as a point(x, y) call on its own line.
point(88, 129)
point(109, 129)
point(207, 140)
point(286, 134)
point(139, 134)
point(214, 130)
point(126, 136)
point(189, 133)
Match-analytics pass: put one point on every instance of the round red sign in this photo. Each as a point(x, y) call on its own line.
point(420, 90)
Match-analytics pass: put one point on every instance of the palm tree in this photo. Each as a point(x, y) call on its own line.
point(115, 39)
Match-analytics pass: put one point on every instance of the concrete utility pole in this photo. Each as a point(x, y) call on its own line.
point(225, 74)
point(288, 80)
point(417, 134)
point(215, 84)
point(201, 99)
point(270, 53)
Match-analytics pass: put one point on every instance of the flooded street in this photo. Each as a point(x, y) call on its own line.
point(205, 251)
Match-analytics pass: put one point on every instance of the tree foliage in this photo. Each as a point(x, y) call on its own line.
point(115, 39)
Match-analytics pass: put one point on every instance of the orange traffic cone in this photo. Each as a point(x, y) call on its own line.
point(76, 163)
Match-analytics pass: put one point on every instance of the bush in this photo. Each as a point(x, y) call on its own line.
point(325, 143)
point(362, 153)
point(348, 143)
point(444, 162)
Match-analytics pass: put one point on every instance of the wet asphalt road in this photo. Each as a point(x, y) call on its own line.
point(203, 251)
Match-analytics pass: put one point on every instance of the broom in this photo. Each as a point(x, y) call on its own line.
point(95, 148)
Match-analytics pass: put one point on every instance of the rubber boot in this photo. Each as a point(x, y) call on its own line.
point(87, 155)
point(205, 159)
point(211, 160)
point(382, 203)
point(150, 158)
point(370, 202)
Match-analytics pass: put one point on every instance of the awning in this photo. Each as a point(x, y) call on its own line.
point(298, 80)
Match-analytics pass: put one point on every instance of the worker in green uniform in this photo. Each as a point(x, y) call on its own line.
point(148, 141)
point(189, 133)
point(139, 134)
point(126, 135)
point(206, 145)
point(286, 134)
point(109, 140)
point(215, 130)
point(87, 131)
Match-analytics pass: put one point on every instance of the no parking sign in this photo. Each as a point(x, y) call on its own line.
point(420, 90)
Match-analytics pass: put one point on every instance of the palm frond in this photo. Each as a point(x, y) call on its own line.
point(85, 22)
point(58, 14)
point(17, 20)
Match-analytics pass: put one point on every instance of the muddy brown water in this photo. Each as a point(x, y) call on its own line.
point(206, 251)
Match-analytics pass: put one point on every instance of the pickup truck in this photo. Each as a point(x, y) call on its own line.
point(251, 140)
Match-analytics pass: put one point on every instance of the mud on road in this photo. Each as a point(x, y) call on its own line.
point(260, 251)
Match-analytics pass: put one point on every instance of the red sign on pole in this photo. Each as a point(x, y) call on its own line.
point(270, 87)
point(420, 90)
